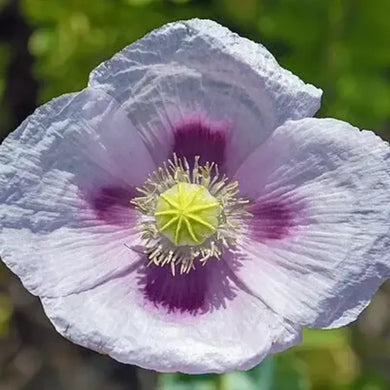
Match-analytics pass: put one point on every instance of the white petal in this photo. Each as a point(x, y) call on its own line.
point(235, 332)
point(200, 70)
point(59, 171)
point(318, 248)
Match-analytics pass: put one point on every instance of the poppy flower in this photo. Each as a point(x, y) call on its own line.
point(185, 213)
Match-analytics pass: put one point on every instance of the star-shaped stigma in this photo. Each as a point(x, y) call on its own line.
point(187, 214)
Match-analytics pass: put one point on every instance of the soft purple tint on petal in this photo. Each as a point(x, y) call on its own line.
point(225, 329)
point(199, 68)
point(324, 272)
point(275, 219)
point(203, 289)
point(111, 204)
point(62, 178)
point(195, 137)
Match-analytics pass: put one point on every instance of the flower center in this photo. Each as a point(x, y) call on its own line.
point(187, 214)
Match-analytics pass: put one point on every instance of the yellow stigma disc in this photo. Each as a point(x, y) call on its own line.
point(187, 214)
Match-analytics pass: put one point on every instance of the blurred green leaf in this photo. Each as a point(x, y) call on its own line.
point(340, 46)
point(369, 381)
point(186, 382)
point(279, 372)
point(70, 39)
point(5, 314)
point(4, 51)
point(4, 114)
point(327, 351)
point(316, 338)
point(264, 374)
point(139, 2)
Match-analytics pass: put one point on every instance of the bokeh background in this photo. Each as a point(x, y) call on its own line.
point(48, 47)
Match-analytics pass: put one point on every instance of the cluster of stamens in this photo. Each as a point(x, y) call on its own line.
point(188, 214)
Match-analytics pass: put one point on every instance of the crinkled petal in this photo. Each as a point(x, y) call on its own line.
point(317, 247)
point(67, 175)
point(234, 330)
point(197, 71)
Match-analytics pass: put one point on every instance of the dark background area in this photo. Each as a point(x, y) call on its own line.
point(48, 47)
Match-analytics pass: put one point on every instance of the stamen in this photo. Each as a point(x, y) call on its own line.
point(188, 215)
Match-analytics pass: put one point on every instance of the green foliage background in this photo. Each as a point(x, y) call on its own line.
point(340, 46)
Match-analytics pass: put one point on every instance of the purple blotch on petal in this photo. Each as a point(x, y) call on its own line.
point(197, 138)
point(276, 219)
point(202, 290)
point(111, 204)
